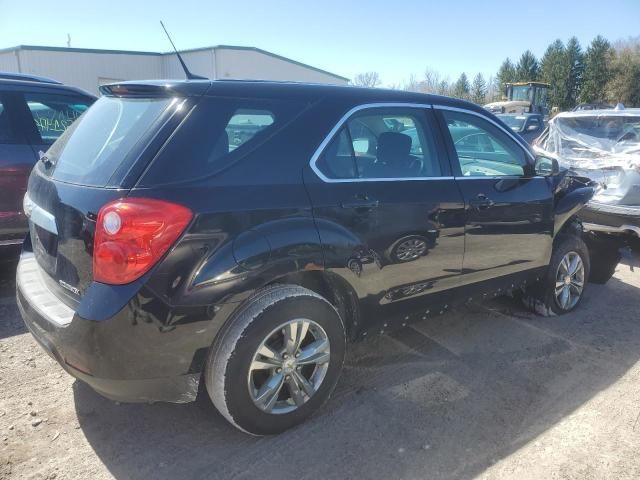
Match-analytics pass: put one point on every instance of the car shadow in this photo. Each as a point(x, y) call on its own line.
point(445, 398)
point(10, 322)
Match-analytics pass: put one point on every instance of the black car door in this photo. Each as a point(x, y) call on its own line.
point(509, 210)
point(389, 216)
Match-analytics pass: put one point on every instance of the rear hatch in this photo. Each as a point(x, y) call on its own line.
point(97, 160)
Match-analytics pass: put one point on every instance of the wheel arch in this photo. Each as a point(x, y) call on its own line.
point(570, 227)
point(334, 289)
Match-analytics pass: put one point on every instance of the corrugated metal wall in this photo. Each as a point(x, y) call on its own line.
point(200, 62)
point(251, 64)
point(9, 62)
point(84, 69)
point(88, 70)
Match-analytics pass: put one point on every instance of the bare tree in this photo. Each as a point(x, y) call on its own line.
point(367, 79)
point(493, 92)
point(432, 80)
point(413, 84)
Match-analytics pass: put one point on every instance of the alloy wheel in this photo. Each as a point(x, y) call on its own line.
point(289, 366)
point(569, 281)
point(411, 249)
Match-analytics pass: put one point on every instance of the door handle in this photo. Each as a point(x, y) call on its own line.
point(482, 202)
point(360, 201)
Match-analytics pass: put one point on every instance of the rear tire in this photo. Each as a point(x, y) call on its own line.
point(604, 252)
point(252, 373)
point(562, 288)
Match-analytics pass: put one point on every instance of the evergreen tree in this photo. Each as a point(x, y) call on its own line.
point(506, 74)
point(597, 73)
point(461, 88)
point(575, 60)
point(527, 67)
point(443, 88)
point(554, 69)
point(479, 89)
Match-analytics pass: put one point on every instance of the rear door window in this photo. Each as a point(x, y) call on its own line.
point(10, 131)
point(53, 114)
point(382, 143)
point(6, 133)
point(218, 132)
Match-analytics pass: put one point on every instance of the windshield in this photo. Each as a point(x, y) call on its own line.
point(595, 141)
point(96, 145)
point(522, 92)
point(605, 128)
point(514, 122)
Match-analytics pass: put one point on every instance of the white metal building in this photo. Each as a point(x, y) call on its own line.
point(89, 68)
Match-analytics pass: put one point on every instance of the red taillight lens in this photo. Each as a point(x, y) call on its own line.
point(132, 234)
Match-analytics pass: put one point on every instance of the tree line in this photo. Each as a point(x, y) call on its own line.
point(604, 72)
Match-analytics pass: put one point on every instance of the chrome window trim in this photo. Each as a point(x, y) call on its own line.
point(491, 177)
point(497, 125)
point(6, 243)
point(39, 215)
point(340, 124)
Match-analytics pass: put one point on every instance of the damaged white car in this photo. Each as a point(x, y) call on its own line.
point(603, 145)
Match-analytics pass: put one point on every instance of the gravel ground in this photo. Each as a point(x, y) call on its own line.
point(488, 391)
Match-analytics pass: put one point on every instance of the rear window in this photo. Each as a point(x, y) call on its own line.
point(53, 114)
point(104, 137)
point(216, 133)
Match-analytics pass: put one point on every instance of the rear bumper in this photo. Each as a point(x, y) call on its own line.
point(119, 358)
point(618, 219)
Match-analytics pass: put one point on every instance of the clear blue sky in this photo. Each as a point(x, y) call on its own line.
point(345, 37)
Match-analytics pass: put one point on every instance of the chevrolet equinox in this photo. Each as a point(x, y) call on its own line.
point(237, 235)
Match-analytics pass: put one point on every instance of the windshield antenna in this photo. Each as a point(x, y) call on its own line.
point(188, 74)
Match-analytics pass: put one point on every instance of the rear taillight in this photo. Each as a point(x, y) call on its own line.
point(132, 234)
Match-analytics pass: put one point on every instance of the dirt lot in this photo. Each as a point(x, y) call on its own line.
point(488, 391)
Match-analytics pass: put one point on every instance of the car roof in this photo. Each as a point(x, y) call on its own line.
point(604, 112)
point(310, 91)
point(21, 82)
point(27, 77)
point(523, 114)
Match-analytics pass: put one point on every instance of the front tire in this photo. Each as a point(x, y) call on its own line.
point(277, 361)
point(562, 287)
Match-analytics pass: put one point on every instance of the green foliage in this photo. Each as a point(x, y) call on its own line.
point(575, 61)
point(479, 90)
point(527, 68)
point(604, 73)
point(506, 74)
point(461, 88)
point(554, 69)
point(597, 70)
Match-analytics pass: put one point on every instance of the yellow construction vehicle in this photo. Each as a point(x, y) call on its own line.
point(523, 97)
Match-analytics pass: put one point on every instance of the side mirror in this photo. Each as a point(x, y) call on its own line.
point(546, 167)
point(532, 127)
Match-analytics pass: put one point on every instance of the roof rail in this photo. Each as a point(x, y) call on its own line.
point(27, 78)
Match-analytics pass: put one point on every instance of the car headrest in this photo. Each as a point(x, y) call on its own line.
point(393, 146)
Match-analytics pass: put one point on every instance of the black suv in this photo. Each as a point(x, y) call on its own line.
point(239, 234)
point(34, 111)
